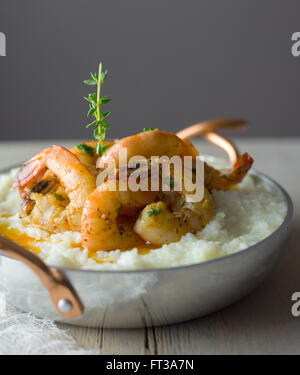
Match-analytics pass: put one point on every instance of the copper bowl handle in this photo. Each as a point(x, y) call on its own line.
point(211, 126)
point(62, 293)
point(225, 144)
point(207, 130)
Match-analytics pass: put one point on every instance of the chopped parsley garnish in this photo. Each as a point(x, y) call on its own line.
point(172, 182)
point(154, 212)
point(147, 129)
point(59, 197)
point(119, 209)
point(86, 148)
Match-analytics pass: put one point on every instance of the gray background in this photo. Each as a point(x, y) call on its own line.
point(171, 63)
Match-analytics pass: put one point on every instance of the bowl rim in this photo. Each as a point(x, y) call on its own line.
point(285, 223)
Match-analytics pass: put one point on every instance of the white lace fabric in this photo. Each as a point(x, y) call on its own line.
point(24, 334)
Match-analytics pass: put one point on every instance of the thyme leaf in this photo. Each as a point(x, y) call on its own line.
point(95, 101)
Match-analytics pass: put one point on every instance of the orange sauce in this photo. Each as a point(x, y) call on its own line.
point(235, 188)
point(30, 243)
point(142, 247)
point(21, 238)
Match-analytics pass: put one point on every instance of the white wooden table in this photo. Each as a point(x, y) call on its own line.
point(262, 323)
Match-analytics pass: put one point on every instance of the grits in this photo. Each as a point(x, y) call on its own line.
point(244, 216)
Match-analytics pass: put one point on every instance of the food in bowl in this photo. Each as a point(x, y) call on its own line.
point(242, 216)
point(56, 206)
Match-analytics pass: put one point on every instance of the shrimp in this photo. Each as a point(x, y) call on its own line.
point(189, 149)
point(165, 222)
point(224, 179)
point(49, 212)
point(168, 220)
point(147, 144)
point(158, 143)
point(47, 185)
point(76, 181)
point(100, 229)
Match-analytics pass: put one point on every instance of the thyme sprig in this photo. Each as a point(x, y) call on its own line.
point(95, 102)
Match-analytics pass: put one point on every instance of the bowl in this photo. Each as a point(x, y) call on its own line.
point(151, 297)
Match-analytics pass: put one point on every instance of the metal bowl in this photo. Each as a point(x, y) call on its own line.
point(131, 299)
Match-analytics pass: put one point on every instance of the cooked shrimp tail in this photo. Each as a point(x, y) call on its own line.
point(224, 179)
point(31, 173)
point(240, 168)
